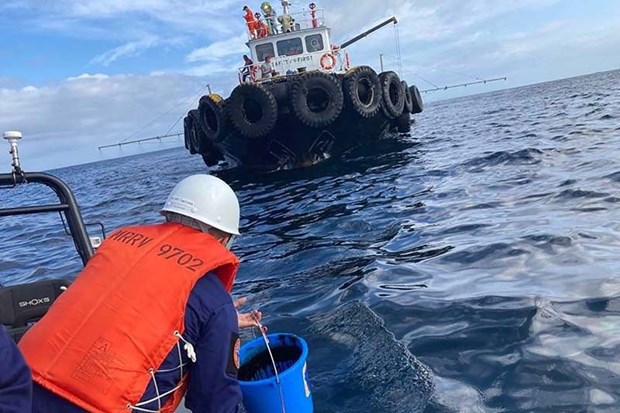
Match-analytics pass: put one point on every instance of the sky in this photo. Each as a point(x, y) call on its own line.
point(78, 74)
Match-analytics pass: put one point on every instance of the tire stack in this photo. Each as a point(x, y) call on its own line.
point(367, 94)
point(316, 99)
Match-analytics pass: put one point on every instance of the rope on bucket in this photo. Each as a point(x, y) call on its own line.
point(273, 361)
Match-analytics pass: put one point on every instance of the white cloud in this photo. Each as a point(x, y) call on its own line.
point(218, 50)
point(86, 111)
point(128, 49)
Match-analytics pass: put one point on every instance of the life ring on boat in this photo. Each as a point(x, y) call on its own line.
point(253, 110)
point(328, 61)
point(408, 100)
point(393, 94)
point(212, 111)
point(362, 91)
point(417, 105)
point(316, 99)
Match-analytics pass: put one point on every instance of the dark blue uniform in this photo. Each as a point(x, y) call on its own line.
point(211, 326)
point(15, 378)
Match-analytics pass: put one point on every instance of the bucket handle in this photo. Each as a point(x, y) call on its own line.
point(273, 361)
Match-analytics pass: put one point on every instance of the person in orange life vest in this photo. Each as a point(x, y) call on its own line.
point(250, 21)
point(15, 379)
point(150, 319)
point(263, 29)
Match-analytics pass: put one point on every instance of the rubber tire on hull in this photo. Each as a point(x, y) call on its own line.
point(253, 110)
point(316, 90)
point(393, 94)
point(188, 125)
point(362, 77)
point(403, 123)
point(416, 100)
point(210, 159)
point(212, 111)
point(280, 92)
point(408, 98)
point(194, 134)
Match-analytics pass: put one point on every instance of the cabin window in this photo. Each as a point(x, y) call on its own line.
point(314, 43)
point(290, 47)
point(264, 50)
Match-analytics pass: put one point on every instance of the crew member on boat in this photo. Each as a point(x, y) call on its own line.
point(251, 22)
point(150, 319)
point(15, 379)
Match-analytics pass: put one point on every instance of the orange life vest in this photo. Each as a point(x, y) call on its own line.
point(99, 341)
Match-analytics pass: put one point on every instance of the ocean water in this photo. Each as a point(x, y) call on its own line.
point(472, 266)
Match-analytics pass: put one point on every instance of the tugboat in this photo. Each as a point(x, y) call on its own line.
point(298, 101)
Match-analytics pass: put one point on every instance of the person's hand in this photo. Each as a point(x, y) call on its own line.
point(250, 319)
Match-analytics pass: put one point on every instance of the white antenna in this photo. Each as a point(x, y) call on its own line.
point(13, 137)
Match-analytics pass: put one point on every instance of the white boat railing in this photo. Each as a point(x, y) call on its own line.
point(274, 25)
point(333, 61)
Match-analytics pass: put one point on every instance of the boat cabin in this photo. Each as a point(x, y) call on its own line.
point(290, 44)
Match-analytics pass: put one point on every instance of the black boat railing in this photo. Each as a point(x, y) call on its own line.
point(67, 206)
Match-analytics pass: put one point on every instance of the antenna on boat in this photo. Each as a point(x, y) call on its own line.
point(12, 138)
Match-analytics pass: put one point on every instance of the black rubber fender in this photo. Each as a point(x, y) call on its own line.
point(253, 110)
point(416, 100)
point(280, 91)
point(197, 140)
point(188, 124)
point(408, 98)
point(213, 119)
point(393, 101)
point(316, 99)
point(403, 123)
point(362, 91)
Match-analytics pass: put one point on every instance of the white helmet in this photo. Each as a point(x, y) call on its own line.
point(206, 199)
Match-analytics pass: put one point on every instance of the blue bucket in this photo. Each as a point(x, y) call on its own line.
point(261, 393)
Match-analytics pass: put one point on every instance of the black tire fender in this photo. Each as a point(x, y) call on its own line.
point(393, 94)
point(197, 139)
point(188, 125)
point(362, 91)
point(416, 100)
point(316, 99)
point(213, 119)
point(253, 110)
point(403, 123)
point(408, 98)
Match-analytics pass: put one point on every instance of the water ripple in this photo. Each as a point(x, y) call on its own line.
point(487, 242)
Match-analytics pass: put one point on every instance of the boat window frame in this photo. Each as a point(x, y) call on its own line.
point(258, 54)
point(301, 43)
point(320, 36)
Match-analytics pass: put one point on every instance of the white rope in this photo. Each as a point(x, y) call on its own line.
point(187, 347)
point(273, 361)
point(140, 409)
point(398, 54)
point(162, 396)
point(191, 354)
point(156, 389)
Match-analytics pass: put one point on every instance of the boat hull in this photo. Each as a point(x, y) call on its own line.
point(291, 143)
